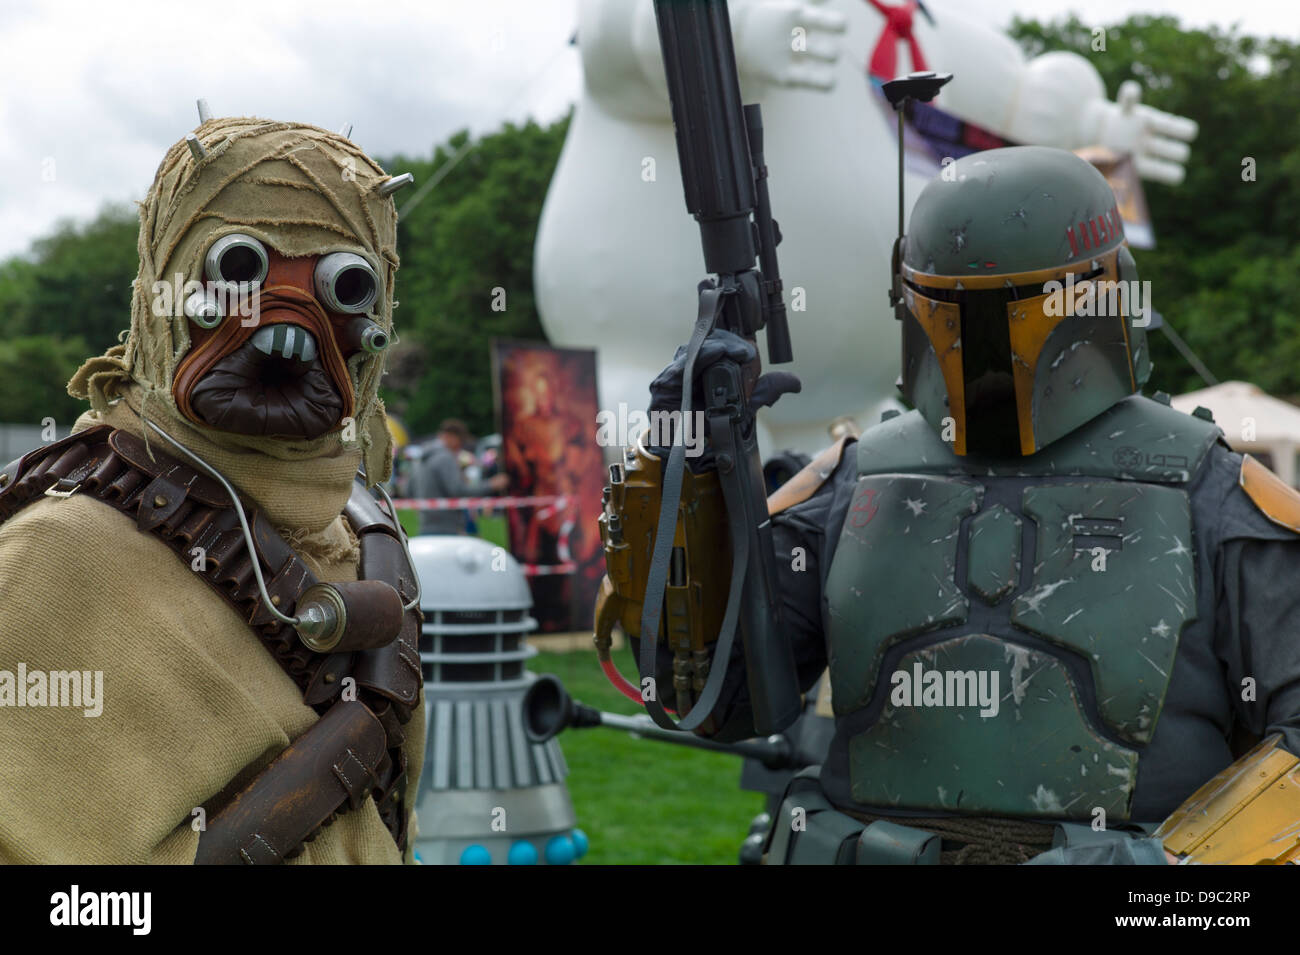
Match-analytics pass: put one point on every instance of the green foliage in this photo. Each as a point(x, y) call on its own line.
point(472, 235)
point(67, 299)
point(1226, 248)
point(34, 370)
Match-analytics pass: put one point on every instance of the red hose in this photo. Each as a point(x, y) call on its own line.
point(624, 687)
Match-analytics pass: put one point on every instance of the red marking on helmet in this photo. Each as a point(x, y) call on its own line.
point(990, 265)
point(1074, 246)
point(1083, 234)
point(864, 507)
point(1093, 225)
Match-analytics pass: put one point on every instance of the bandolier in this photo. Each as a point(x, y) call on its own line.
point(354, 751)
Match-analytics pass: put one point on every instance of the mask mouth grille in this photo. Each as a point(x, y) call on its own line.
point(988, 378)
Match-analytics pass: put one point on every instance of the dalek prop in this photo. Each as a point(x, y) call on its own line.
point(487, 794)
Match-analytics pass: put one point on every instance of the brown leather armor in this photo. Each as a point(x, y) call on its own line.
point(354, 750)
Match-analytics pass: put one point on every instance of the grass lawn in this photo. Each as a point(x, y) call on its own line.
point(641, 801)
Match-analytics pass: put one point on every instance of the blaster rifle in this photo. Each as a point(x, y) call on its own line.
point(720, 149)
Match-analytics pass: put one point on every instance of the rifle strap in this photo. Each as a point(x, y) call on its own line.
point(193, 516)
point(711, 303)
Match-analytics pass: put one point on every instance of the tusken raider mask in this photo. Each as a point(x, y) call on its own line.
point(264, 299)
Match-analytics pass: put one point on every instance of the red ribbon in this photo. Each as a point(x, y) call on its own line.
point(898, 28)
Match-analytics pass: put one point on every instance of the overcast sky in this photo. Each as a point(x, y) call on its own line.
point(93, 93)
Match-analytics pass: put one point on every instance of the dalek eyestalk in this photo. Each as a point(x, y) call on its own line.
point(338, 618)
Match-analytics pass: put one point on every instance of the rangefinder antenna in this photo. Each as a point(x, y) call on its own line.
point(922, 87)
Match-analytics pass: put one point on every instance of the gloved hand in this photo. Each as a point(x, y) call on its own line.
point(666, 389)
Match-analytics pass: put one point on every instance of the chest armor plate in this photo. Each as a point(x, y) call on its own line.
point(1003, 643)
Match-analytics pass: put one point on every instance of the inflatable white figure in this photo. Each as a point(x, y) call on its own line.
point(617, 257)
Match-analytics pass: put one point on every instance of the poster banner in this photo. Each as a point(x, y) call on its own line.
point(546, 413)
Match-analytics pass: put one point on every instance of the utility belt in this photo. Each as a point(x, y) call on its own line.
point(354, 751)
point(809, 830)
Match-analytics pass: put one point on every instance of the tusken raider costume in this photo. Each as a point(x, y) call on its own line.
point(202, 539)
point(1059, 617)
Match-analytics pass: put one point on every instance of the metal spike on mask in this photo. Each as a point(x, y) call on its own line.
point(196, 147)
point(346, 130)
point(205, 114)
point(395, 183)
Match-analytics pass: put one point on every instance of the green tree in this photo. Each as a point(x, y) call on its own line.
point(76, 282)
point(34, 371)
point(467, 270)
point(1226, 244)
point(68, 298)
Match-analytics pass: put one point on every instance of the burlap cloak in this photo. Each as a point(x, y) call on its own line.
point(193, 706)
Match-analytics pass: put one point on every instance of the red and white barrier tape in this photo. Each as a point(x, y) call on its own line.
point(548, 503)
point(546, 570)
point(560, 502)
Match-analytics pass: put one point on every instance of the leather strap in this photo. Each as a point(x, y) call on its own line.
point(331, 764)
point(193, 516)
point(711, 304)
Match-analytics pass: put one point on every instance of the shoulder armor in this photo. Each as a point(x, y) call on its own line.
point(1278, 501)
point(1136, 439)
point(805, 484)
point(1245, 815)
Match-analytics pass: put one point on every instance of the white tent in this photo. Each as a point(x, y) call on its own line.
point(1252, 421)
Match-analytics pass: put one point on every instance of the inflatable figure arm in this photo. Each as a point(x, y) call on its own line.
point(787, 42)
point(783, 42)
point(1044, 114)
point(1056, 99)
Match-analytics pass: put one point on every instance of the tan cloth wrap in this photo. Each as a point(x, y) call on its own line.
point(193, 704)
point(299, 189)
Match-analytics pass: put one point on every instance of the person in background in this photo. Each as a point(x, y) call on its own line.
point(438, 474)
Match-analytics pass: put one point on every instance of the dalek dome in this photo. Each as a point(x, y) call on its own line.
point(476, 601)
point(466, 574)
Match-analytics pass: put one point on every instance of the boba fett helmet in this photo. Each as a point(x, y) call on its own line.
point(1015, 295)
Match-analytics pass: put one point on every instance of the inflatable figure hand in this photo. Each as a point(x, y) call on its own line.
point(1157, 140)
point(787, 42)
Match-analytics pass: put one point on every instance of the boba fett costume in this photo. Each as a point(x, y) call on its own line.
point(1052, 608)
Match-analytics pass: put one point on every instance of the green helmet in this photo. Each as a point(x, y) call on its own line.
point(1017, 290)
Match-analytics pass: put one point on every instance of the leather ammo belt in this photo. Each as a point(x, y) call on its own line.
point(354, 750)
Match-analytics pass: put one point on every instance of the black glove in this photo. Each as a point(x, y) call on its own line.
point(666, 389)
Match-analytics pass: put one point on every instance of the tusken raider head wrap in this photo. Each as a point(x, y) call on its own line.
point(302, 192)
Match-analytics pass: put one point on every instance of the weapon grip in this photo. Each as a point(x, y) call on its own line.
point(769, 658)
